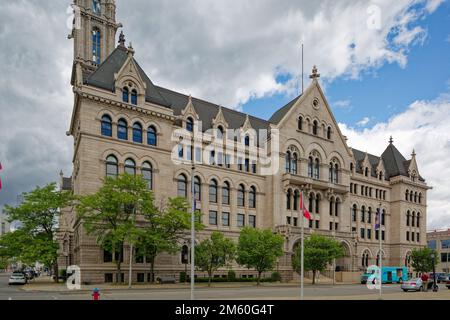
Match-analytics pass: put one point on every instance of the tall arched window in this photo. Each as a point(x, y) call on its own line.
point(413, 219)
point(198, 189)
point(311, 202)
point(241, 196)
point(294, 164)
point(96, 45)
point(130, 167)
point(125, 95)
point(226, 193)
point(383, 217)
point(331, 206)
point(300, 123)
point(354, 212)
point(296, 199)
point(152, 136)
point(420, 197)
point(330, 172)
point(336, 207)
point(407, 195)
point(182, 186)
point(147, 174)
point(288, 162)
point(415, 197)
point(310, 167)
point(288, 199)
point(418, 220)
point(252, 197)
point(122, 129)
point(315, 127)
point(137, 132)
point(317, 169)
point(247, 141)
point(369, 215)
point(317, 205)
point(363, 214)
point(213, 191)
point(329, 133)
point(106, 126)
point(190, 124)
point(366, 172)
point(219, 132)
point(134, 97)
point(351, 166)
point(112, 168)
point(336, 173)
point(411, 196)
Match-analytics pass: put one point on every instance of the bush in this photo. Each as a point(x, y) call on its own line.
point(231, 276)
point(276, 276)
point(183, 277)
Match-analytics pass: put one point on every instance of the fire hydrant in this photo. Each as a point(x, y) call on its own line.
point(96, 294)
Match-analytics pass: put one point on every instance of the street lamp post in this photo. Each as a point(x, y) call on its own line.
point(435, 287)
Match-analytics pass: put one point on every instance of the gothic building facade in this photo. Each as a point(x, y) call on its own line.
point(123, 122)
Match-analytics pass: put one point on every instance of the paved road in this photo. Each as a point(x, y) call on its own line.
point(243, 293)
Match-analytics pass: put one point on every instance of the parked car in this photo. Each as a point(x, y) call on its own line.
point(443, 278)
point(17, 278)
point(448, 285)
point(415, 284)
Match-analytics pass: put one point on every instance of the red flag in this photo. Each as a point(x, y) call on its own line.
point(306, 213)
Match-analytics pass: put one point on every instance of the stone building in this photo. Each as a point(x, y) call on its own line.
point(123, 122)
point(440, 241)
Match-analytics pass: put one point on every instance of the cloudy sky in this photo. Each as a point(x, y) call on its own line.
point(384, 66)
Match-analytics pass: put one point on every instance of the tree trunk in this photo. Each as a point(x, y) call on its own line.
point(119, 271)
point(152, 269)
point(56, 271)
point(259, 278)
point(209, 279)
point(314, 277)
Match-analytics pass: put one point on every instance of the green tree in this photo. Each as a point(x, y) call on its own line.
point(164, 229)
point(214, 253)
point(422, 260)
point(320, 251)
point(111, 213)
point(38, 214)
point(259, 249)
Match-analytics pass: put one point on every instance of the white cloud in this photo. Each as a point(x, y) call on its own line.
point(425, 127)
point(344, 104)
point(364, 121)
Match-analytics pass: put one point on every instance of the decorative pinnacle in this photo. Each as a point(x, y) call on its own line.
point(314, 74)
point(122, 39)
point(413, 153)
point(391, 140)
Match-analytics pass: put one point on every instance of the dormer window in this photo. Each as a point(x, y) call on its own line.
point(247, 141)
point(125, 95)
point(366, 172)
point(220, 132)
point(134, 97)
point(190, 124)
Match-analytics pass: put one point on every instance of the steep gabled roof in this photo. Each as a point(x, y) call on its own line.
point(359, 158)
point(103, 77)
point(280, 113)
point(394, 162)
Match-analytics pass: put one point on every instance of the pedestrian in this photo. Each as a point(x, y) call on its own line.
point(96, 294)
point(425, 281)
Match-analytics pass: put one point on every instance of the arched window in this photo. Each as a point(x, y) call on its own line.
point(336, 173)
point(300, 123)
point(407, 195)
point(336, 207)
point(418, 220)
point(415, 197)
point(219, 132)
point(351, 166)
point(329, 133)
point(366, 172)
point(363, 214)
point(112, 168)
point(296, 199)
point(354, 212)
point(331, 206)
point(190, 124)
point(317, 169)
point(330, 172)
point(152, 139)
point(252, 197)
point(241, 196)
point(198, 189)
point(182, 186)
point(106, 126)
point(315, 127)
point(288, 199)
point(213, 191)
point(317, 204)
point(226, 193)
point(247, 141)
point(137, 132)
point(413, 219)
point(130, 167)
point(294, 164)
point(369, 215)
point(122, 129)
point(311, 202)
point(96, 45)
point(288, 162)
point(96, 8)
point(383, 218)
point(147, 174)
point(408, 215)
point(134, 97)
point(411, 196)
point(125, 95)
point(310, 167)
point(420, 197)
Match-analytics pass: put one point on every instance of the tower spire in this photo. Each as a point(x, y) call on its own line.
point(391, 140)
point(315, 74)
point(121, 39)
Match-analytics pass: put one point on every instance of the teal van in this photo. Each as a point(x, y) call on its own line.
point(389, 275)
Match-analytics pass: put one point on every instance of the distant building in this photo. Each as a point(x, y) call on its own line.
point(4, 225)
point(440, 241)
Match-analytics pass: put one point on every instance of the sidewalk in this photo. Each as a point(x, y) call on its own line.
point(46, 284)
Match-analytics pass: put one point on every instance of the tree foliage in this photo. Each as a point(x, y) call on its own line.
point(214, 253)
point(35, 241)
point(422, 260)
point(259, 249)
point(320, 251)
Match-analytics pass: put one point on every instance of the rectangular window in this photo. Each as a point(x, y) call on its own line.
point(377, 234)
point(445, 243)
point(310, 223)
point(240, 220)
point(253, 167)
point(432, 244)
point(295, 222)
point(141, 277)
point(180, 151)
point(228, 161)
point(336, 226)
point(107, 256)
point(412, 236)
point(240, 164)
point(288, 220)
point(247, 165)
point(108, 277)
point(369, 234)
point(382, 235)
point(212, 158)
point(198, 155)
point(220, 159)
point(226, 219)
point(407, 235)
point(252, 221)
point(213, 218)
point(331, 226)
point(189, 153)
point(225, 195)
point(418, 237)
point(363, 233)
point(213, 194)
point(444, 257)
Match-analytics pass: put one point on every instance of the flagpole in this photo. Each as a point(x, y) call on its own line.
point(302, 247)
point(380, 254)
